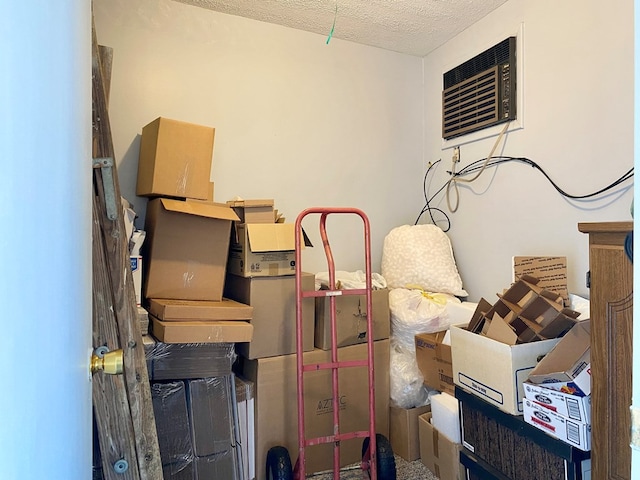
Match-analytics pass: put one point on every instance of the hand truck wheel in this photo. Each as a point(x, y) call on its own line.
point(386, 462)
point(279, 464)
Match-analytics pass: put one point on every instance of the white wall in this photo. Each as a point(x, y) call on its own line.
point(45, 246)
point(297, 120)
point(578, 126)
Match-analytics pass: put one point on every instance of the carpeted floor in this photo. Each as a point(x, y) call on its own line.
point(404, 470)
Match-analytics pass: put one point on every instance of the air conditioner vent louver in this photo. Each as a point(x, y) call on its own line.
point(480, 92)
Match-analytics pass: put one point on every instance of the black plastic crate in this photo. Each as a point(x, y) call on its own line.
point(476, 469)
point(514, 448)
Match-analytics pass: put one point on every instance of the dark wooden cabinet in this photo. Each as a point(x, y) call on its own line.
point(611, 298)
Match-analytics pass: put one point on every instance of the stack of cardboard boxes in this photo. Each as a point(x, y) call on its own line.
point(224, 274)
point(191, 353)
point(261, 273)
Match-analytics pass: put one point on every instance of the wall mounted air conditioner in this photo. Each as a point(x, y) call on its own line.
point(480, 92)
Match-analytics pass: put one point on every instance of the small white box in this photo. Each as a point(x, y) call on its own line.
point(574, 433)
point(136, 271)
point(571, 406)
point(492, 370)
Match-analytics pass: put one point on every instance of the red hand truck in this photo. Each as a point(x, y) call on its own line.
point(377, 456)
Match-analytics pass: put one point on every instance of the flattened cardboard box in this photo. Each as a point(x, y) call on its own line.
point(276, 404)
point(263, 250)
point(274, 313)
point(201, 331)
point(437, 452)
point(351, 319)
point(177, 310)
point(175, 159)
point(186, 249)
point(433, 357)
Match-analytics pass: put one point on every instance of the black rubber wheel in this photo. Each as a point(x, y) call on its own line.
point(279, 464)
point(386, 462)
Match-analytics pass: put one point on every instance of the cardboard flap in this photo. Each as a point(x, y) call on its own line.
point(271, 237)
point(209, 210)
point(251, 203)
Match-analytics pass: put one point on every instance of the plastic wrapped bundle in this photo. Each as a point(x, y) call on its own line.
point(415, 311)
point(406, 387)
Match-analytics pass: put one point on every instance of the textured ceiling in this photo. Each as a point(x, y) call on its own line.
point(414, 27)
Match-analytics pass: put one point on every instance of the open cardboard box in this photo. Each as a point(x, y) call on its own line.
point(264, 249)
point(492, 370)
point(567, 366)
point(186, 249)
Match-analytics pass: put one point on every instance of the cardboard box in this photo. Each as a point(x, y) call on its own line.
point(513, 447)
point(437, 452)
point(186, 249)
point(433, 355)
point(570, 431)
point(351, 319)
point(567, 366)
point(574, 407)
point(175, 159)
point(263, 250)
point(253, 211)
point(136, 272)
point(274, 313)
point(493, 370)
point(181, 310)
point(403, 431)
point(201, 331)
point(276, 404)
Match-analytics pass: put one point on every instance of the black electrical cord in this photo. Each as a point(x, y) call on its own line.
point(498, 160)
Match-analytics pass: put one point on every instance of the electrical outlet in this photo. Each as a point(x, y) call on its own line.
point(456, 154)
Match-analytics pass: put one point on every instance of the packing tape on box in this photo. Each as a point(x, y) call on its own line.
point(444, 416)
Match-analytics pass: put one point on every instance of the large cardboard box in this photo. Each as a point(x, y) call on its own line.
point(274, 313)
point(201, 331)
point(403, 431)
point(437, 452)
point(568, 365)
point(181, 310)
point(186, 249)
point(263, 250)
point(433, 355)
point(276, 404)
point(351, 319)
point(494, 370)
point(175, 159)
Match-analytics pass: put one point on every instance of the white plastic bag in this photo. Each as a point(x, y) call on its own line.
point(415, 311)
point(421, 256)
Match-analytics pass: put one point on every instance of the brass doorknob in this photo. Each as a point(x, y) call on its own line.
point(108, 362)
